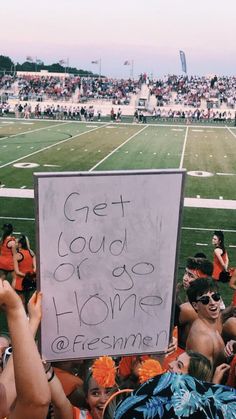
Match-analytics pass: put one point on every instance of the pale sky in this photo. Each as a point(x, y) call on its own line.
point(150, 33)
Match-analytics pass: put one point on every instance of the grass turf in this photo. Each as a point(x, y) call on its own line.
point(72, 146)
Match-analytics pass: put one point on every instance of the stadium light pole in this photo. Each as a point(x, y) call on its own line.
point(13, 66)
point(99, 63)
point(100, 67)
point(132, 69)
point(131, 64)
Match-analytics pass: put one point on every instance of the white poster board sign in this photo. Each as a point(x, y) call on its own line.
point(107, 246)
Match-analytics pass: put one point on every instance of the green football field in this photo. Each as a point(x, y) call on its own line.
point(206, 152)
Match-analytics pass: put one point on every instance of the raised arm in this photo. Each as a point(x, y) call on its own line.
point(32, 389)
point(61, 405)
point(16, 258)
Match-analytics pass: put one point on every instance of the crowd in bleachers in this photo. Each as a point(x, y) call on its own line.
point(6, 82)
point(118, 91)
point(179, 90)
point(35, 87)
point(190, 91)
point(46, 87)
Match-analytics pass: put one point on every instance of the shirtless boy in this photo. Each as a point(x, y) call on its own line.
point(195, 268)
point(204, 336)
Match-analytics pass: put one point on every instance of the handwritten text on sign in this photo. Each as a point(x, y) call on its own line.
point(108, 268)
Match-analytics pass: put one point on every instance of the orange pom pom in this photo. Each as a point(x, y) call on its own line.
point(104, 371)
point(149, 368)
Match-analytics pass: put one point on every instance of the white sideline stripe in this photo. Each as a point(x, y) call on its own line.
point(210, 203)
point(183, 151)
point(16, 193)
point(17, 218)
point(117, 148)
point(226, 174)
point(50, 146)
point(204, 127)
point(188, 202)
point(33, 130)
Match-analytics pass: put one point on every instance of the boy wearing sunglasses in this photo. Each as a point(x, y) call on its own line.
point(196, 267)
point(204, 335)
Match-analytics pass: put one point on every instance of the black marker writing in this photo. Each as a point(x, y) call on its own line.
point(72, 210)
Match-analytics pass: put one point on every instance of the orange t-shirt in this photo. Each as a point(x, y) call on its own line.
point(6, 257)
point(25, 265)
point(217, 267)
point(81, 414)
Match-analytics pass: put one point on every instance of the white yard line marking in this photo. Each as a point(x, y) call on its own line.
point(50, 146)
point(18, 218)
point(117, 148)
point(206, 229)
point(34, 130)
point(183, 151)
point(231, 132)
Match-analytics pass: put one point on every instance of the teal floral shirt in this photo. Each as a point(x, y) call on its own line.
point(178, 396)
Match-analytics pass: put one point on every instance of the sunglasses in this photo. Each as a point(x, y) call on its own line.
point(205, 299)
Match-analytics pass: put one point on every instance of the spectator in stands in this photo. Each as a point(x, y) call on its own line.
point(24, 264)
point(185, 315)
point(96, 391)
point(221, 260)
point(196, 267)
point(204, 336)
point(7, 243)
